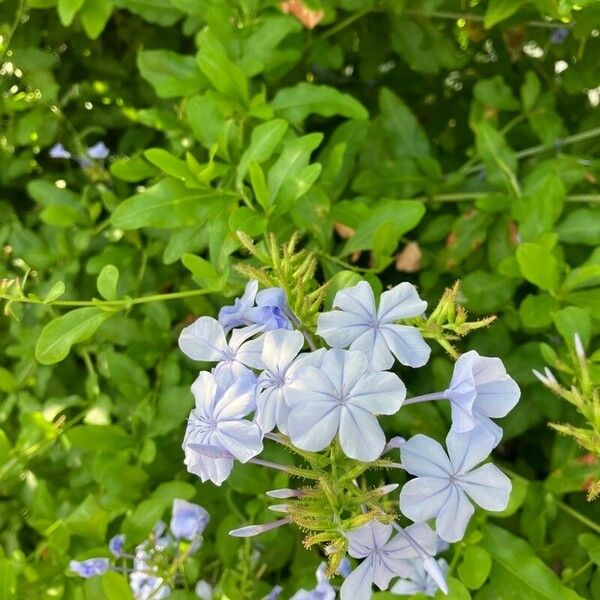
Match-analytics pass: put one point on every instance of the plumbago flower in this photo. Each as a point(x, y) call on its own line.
point(445, 482)
point(342, 395)
point(323, 402)
point(360, 326)
point(156, 561)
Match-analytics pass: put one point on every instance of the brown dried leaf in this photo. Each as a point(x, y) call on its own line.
point(308, 17)
point(409, 259)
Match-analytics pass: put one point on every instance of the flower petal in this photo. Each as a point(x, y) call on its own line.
point(358, 585)
point(357, 299)
point(242, 438)
point(374, 346)
point(280, 347)
point(454, 516)
point(204, 339)
point(467, 450)
point(361, 436)
point(401, 302)
point(379, 393)
point(368, 537)
point(423, 456)
point(339, 329)
point(237, 401)
point(344, 368)
point(496, 399)
point(204, 390)
point(424, 497)
point(407, 344)
point(487, 486)
point(313, 425)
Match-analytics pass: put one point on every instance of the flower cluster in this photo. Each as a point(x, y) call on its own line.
point(152, 575)
point(264, 385)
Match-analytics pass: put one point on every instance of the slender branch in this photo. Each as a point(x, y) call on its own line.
point(578, 516)
point(346, 22)
point(424, 398)
point(13, 29)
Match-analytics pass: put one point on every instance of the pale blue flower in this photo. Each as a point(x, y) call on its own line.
point(419, 581)
point(268, 312)
point(361, 326)
point(116, 544)
point(274, 593)
point(383, 556)
point(342, 395)
point(236, 315)
point(204, 590)
point(217, 431)
point(188, 520)
point(90, 567)
point(323, 591)
point(345, 567)
point(59, 151)
point(282, 366)
point(559, 35)
point(205, 340)
point(445, 482)
point(479, 391)
point(98, 151)
point(148, 587)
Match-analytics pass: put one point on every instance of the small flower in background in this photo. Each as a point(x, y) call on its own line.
point(360, 326)
point(343, 395)
point(480, 390)
point(445, 482)
point(266, 308)
point(204, 590)
point(308, 17)
point(217, 431)
point(188, 520)
point(98, 151)
point(59, 151)
point(559, 36)
point(116, 544)
point(419, 581)
point(384, 557)
point(90, 567)
point(148, 587)
point(323, 591)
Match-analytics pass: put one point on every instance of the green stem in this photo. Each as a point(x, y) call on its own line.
point(578, 516)
point(115, 304)
point(13, 29)
point(438, 14)
point(468, 196)
point(579, 572)
point(346, 22)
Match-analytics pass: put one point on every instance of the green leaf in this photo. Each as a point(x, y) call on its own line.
point(107, 282)
point(8, 383)
point(536, 311)
point(205, 275)
point(486, 292)
point(297, 102)
point(456, 591)
point(494, 92)
point(99, 438)
point(224, 75)
point(259, 186)
point(94, 16)
point(404, 215)
point(56, 291)
point(67, 9)
point(116, 586)
point(263, 141)
point(517, 573)
point(205, 118)
point(475, 567)
point(498, 158)
point(89, 519)
point(404, 132)
point(582, 226)
point(170, 74)
point(590, 542)
point(132, 169)
point(61, 333)
point(499, 10)
point(571, 320)
point(282, 177)
point(539, 266)
point(169, 164)
point(150, 511)
point(167, 205)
